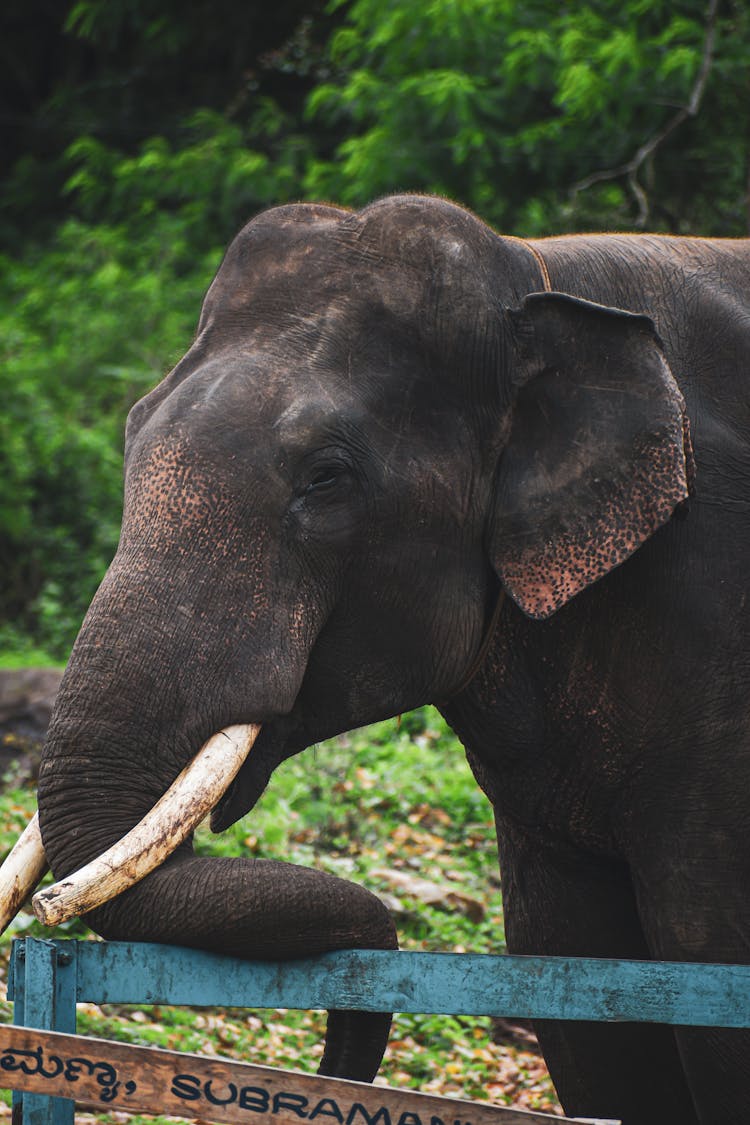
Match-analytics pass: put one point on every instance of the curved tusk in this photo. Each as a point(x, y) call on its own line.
point(191, 796)
point(20, 874)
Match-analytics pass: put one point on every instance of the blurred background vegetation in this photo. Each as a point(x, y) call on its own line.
point(139, 135)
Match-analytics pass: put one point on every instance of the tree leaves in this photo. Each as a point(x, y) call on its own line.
point(508, 108)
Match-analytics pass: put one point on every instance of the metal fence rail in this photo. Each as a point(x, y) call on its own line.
point(47, 980)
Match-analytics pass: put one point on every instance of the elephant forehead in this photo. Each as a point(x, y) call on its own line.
point(322, 298)
point(254, 406)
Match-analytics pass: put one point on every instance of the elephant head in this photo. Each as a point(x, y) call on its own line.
point(382, 423)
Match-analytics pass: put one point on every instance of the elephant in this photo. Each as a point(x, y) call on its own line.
point(407, 460)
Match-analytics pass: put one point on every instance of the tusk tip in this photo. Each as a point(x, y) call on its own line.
point(48, 908)
point(21, 871)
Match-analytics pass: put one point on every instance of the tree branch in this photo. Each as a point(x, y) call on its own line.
point(631, 169)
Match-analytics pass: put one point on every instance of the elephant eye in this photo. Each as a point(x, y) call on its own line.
point(327, 503)
point(324, 480)
point(323, 475)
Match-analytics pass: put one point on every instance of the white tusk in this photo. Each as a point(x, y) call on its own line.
point(21, 872)
point(190, 797)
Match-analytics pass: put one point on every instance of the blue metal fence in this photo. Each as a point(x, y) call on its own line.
point(48, 978)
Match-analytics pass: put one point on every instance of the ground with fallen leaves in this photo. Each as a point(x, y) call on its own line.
point(395, 807)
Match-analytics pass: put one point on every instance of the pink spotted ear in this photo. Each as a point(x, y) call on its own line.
point(599, 451)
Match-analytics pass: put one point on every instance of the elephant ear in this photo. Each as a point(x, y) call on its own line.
point(598, 454)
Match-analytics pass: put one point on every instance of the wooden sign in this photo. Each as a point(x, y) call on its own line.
point(120, 1076)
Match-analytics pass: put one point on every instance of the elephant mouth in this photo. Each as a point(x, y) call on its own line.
point(280, 738)
point(191, 797)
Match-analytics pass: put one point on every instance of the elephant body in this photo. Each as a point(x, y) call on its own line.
point(409, 461)
point(613, 739)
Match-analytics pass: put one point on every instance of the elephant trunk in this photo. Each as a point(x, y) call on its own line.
point(190, 798)
point(124, 725)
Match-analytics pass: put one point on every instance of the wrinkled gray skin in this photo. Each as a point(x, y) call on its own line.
point(383, 422)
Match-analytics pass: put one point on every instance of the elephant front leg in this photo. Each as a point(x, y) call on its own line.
point(563, 903)
point(691, 877)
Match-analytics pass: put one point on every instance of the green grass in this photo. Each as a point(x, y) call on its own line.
point(377, 806)
point(18, 651)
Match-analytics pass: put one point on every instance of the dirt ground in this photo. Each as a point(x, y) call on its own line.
point(26, 698)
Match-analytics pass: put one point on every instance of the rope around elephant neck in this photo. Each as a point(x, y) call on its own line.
point(537, 256)
point(547, 284)
point(478, 660)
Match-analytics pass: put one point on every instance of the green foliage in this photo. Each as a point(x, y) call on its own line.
point(18, 650)
point(85, 328)
point(334, 805)
point(507, 108)
point(206, 186)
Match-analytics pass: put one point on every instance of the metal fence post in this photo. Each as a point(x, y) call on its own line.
point(43, 989)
